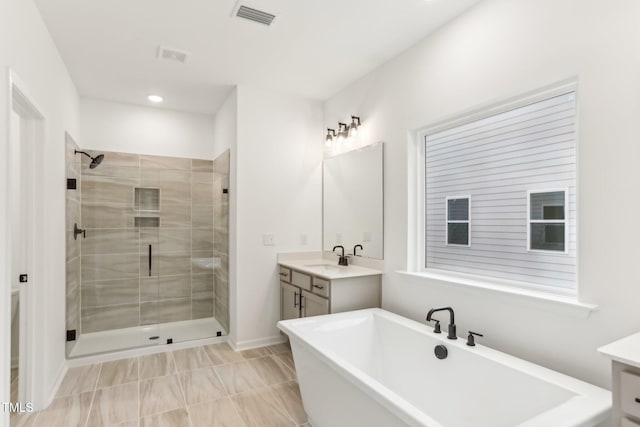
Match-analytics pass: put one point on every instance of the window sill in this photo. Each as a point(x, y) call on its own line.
point(561, 304)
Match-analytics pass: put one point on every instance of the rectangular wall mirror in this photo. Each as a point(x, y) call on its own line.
point(353, 201)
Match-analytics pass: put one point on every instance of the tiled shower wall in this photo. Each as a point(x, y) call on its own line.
point(221, 237)
point(72, 199)
point(117, 288)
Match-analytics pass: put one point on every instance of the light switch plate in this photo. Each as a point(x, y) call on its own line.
point(304, 238)
point(269, 239)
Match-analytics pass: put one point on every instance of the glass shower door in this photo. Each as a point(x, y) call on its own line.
point(147, 217)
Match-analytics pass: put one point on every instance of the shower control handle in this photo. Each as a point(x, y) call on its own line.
point(77, 230)
point(150, 259)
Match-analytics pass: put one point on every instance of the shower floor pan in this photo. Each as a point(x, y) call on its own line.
point(140, 336)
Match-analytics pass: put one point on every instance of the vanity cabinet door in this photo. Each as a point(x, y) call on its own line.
point(313, 305)
point(289, 301)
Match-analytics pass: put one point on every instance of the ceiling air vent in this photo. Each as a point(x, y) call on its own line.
point(171, 54)
point(255, 15)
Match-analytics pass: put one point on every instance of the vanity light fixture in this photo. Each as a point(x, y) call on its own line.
point(355, 124)
point(343, 131)
point(331, 133)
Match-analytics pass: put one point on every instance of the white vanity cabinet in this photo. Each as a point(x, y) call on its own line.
point(625, 381)
point(305, 293)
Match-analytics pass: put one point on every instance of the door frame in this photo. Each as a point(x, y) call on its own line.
point(32, 308)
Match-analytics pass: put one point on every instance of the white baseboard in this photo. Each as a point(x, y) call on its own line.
point(143, 351)
point(56, 386)
point(259, 342)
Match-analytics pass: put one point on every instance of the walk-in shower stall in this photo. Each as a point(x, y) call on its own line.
point(147, 250)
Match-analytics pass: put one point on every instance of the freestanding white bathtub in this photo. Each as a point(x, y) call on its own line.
point(375, 368)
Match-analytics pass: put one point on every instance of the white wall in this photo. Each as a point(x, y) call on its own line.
point(278, 190)
point(26, 47)
point(114, 126)
point(226, 137)
point(497, 50)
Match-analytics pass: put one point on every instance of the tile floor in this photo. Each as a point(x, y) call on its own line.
point(206, 386)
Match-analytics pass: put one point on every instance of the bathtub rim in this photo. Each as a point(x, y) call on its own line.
point(590, 405)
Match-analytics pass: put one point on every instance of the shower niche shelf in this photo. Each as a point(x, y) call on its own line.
point(146, 202)
point(147, 221)
point(146, 199)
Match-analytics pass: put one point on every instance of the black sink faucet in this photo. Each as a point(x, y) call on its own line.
point(452, 323)
point(356, 247)
point(343, 259)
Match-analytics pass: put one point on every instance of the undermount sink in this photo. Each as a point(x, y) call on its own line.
point(325, 266)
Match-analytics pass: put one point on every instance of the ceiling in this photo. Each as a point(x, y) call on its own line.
point(313, 49)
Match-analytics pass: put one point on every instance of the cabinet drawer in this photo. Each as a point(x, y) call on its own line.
point(285, 274)
point(628, 423)
point(320, 287)
point(629, 392)
point(300, 279)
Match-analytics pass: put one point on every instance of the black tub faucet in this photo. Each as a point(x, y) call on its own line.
point(356, 247)
point(343, 259)
point(452, 324)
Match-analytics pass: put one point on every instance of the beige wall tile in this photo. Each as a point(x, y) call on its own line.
point(198, 165)
point(111, 241)
point(201, 308)
point(101, 215)
point(202, 193)
point(202, 215)
point(160, 162)
point(96, 319)
point(166, 287)
point(172, 310)
point(72, 210)
point(202, 240)
point(110, 292)
point(175, 215)
point(109, 267)
point(108, 190)
point(202, 177)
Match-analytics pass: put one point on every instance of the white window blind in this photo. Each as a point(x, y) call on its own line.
point(498, 161)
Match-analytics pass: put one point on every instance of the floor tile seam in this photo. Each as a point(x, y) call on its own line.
point(281, 365)
point(278, 407)
point(182, 391)
point(93, 397)
point(281, 405)
point(215, 371)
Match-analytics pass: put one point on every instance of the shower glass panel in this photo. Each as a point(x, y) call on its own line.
point(118, 290)
point(154, 263)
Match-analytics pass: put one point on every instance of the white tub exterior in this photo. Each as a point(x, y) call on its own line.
point(375, 368)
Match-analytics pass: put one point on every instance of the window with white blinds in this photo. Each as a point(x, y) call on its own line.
point(505, 165)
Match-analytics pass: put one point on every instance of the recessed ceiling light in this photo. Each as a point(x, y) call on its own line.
point(155, 98)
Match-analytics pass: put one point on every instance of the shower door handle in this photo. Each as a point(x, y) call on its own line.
point(150, 258)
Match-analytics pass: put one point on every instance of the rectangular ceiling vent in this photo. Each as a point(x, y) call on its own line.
point(255, 15)
point(171, 54)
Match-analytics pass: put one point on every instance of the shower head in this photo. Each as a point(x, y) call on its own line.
point(95, 161)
